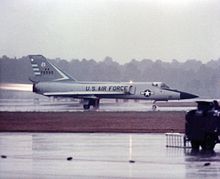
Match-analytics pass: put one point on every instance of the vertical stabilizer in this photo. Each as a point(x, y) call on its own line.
point(45, 71)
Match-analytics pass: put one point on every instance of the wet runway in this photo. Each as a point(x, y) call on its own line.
point(44, 155)
point(47, 105)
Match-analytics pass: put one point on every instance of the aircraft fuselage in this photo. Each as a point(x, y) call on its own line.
point(126, 90)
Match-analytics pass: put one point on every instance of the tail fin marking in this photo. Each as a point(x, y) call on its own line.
point(45, 71)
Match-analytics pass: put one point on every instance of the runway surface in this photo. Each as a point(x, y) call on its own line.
point(44, 155)
point(47, 105)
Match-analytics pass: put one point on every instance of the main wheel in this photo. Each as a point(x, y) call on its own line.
point(96, 104)
point(86, 106)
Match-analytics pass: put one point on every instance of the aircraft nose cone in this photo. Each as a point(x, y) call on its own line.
point(184, 95)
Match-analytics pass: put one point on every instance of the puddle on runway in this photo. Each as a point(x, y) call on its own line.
point(44, 155)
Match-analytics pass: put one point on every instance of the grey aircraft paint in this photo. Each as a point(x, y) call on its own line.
point(49, 80)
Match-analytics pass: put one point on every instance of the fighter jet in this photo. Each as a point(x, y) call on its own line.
point(49, 80)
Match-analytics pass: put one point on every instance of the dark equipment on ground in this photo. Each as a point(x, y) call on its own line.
point(3, 156)
point(69, 158)
point(202, 127)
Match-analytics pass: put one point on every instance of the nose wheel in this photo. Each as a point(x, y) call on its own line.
point(154, 107)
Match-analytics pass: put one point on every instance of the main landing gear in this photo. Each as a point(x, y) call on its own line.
point(91, 102)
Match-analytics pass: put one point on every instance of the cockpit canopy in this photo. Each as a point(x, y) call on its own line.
point(160, 85)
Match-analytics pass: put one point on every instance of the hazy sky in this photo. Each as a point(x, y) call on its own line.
point(122, 29)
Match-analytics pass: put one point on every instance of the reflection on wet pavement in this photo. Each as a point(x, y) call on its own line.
point(45, 155)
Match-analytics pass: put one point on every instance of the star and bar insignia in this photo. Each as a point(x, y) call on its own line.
point(146, 93)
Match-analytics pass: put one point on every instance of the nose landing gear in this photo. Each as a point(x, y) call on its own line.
point(154, 106)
